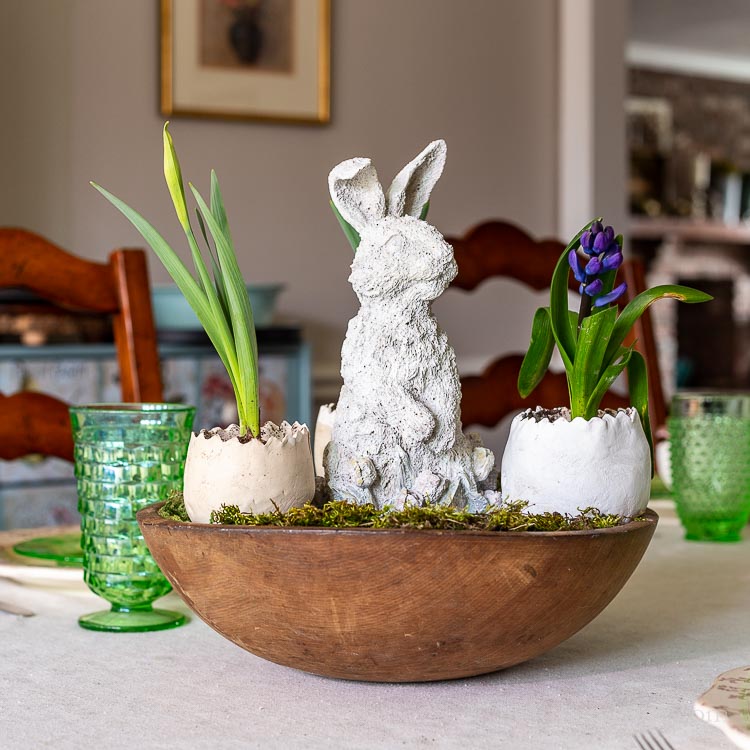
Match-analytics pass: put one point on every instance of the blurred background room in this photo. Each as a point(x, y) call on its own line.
point(554, 111)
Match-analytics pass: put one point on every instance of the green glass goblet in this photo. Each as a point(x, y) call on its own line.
point(710, 447)
point(127, 456)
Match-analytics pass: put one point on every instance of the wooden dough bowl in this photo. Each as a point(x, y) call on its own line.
point(395, 605)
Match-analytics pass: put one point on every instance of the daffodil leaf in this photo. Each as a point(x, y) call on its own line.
point(195, 296)
point(220, 214)
point(216, 269)
point(241, 318)
point(350, 232)
point(173, 178)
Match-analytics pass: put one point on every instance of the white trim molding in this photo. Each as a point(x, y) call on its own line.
point(592, 166)
point(692, 62)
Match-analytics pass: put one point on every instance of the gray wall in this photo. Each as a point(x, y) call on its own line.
point(80, 102)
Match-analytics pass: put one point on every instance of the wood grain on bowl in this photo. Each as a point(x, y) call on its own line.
point(395, 605)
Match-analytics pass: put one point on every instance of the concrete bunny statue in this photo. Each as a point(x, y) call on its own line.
point(397, 432)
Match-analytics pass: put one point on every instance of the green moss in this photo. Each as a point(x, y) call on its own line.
point(342, 515)
point(174, 508)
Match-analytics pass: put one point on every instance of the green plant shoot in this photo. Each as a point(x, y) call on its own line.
point(219, 297)
point(590, 341)
point(352, 235)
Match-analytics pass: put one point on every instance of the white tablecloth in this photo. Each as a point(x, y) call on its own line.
point(683, 618)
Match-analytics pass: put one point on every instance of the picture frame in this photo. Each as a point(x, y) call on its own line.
point(246, 59)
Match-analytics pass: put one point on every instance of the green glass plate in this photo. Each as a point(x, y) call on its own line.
point(64, 549)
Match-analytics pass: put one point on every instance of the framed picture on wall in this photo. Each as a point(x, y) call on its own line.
point(250, 59)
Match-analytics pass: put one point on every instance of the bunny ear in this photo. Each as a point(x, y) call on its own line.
point(411, 188)
point(356, 192)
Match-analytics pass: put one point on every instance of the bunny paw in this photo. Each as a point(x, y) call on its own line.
point(364, 472)
point(429, 485)
point(419, 428)
point(482, 462)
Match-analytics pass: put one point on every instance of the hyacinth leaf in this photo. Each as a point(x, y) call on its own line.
point(573, 320)
point(637, 306)
point(184, 280)
point(349, 231)
point(638, 390)
point(241, 320)
point(539, 353)
point(607, 379)
point(425, 210)
point(559, 313)
point(591, 347)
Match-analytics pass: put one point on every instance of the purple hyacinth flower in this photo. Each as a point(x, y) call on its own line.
point(597, 227)
point(609, 233)
point(601, 243)
point(593, 267)
point(575, 266)
point(612, 261)
point(605, 299)
point(594, 288)
point(587, 241)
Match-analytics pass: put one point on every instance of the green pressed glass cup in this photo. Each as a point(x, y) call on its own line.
point(710, 447)
point(127, 456)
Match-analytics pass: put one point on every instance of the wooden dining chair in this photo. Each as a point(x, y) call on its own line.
point(38, 423)
point(500, 249)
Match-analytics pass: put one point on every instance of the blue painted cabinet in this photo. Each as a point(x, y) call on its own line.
point(37, 492)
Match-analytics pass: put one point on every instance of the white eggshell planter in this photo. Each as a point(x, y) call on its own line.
point(323, 432)
point(259, 475)
point(563, 465)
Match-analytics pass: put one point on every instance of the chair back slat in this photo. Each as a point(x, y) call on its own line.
point(135, 333)
point(31, 262)
point(34, 423)
point(39, 423)
point(497, 248)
